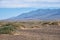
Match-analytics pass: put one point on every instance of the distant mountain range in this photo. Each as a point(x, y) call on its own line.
point(40, 14)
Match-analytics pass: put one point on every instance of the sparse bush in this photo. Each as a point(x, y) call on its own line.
point(44, 23)
point(53, 23)
point(7, 29)
point(29, 24)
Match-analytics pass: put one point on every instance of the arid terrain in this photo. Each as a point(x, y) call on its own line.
point(35, 30)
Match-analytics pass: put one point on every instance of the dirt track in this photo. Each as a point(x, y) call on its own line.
point(47, 33)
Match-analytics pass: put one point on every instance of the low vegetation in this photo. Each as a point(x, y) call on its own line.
point(10, 27)
point(7, 29)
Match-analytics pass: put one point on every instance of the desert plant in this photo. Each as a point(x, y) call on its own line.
point(7, 29)
point(53, 23)
point(44, 23)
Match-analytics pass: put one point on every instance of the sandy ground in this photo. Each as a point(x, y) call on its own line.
point(47, 33)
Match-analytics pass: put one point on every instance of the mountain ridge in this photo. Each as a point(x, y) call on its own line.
point(41, 14)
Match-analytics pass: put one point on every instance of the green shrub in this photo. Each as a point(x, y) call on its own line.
point(7, 29)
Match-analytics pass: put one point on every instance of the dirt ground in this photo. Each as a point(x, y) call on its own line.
point(47, 33)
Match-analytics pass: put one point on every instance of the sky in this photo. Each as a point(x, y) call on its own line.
point(11, 8)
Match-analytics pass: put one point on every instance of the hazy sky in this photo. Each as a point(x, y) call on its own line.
point(12, 12)
point(10, 8)
point(29, 3)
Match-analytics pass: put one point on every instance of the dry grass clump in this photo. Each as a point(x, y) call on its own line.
point(59, 23)
point(36, 26)
point(50, 23)
point(53, 23)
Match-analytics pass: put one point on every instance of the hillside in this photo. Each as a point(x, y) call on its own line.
point(42, 14)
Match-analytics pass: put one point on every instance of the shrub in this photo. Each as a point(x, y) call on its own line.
point(53, 23)
point(8, 29)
